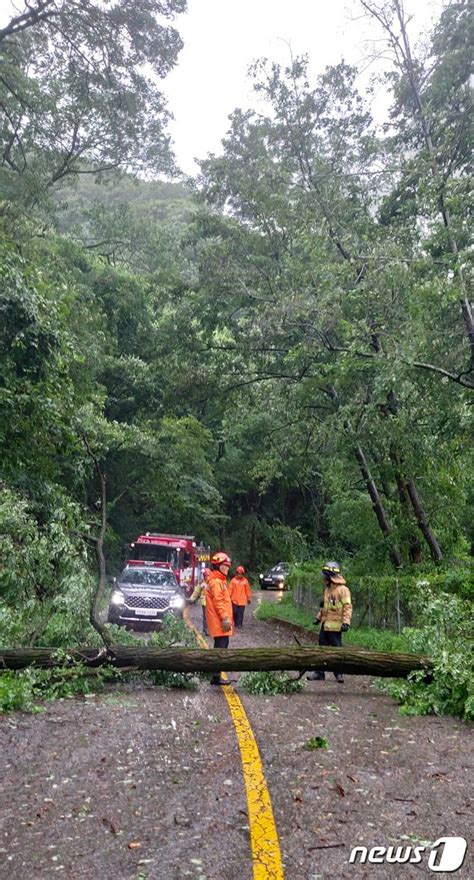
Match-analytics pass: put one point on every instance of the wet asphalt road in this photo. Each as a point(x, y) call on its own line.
point(144, 783)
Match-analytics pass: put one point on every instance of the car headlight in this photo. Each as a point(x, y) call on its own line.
point(117, 597)
point(177, 602)
point(260, 577)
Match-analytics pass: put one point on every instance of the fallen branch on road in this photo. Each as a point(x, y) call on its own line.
point(353, 661)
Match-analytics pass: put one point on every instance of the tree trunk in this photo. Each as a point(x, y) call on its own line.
point(377, 505)
point(99, 596)
point(423, 523)
point(354, 661)
point(408, 487)
point(414, 546)
point(252, 558)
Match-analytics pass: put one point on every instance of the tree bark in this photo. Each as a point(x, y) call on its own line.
point(99, 595)
point(354, 661)
point(414, 547)
point(423, 522)
point(406, 487)
point(252, 560)
point(377, 505)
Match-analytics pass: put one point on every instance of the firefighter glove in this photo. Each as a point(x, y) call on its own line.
point(344, 627)
point(226, 625)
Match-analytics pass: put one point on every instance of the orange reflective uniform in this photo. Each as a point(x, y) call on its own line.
point(218, 605)
point(239, 589)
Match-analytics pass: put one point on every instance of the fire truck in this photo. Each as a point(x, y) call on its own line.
point(178, 552)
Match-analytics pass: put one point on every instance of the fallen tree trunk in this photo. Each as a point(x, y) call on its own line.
point(354, 661)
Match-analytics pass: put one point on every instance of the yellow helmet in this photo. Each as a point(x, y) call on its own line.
point(331, 568)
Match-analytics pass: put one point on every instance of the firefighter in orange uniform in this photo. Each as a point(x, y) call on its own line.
point(219, 616)
point(239, 589)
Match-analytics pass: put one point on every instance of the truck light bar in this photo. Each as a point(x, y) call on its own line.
point(167, 535)
point(149, 564)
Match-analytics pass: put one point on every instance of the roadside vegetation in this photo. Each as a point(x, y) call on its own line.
point(441, 629)
point(270, 683)
point(27, 689)
point(373, 639)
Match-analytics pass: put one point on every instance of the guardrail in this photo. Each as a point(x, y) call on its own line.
point(388, 610)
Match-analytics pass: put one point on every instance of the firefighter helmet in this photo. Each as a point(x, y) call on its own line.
point(331, 568)
point(221, 558)
point(240, 569)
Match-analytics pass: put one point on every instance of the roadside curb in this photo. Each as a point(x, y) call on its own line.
point(295, 628)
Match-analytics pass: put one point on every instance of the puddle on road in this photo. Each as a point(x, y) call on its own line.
point(259, 596)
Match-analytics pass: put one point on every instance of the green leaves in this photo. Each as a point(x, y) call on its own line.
point(270, 683)
point(445, 634)
point(316, 742)
point(77, 95)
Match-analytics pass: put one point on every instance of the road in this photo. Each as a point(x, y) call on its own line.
point(142, 783)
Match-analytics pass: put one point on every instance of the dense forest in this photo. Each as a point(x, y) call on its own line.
point(276, 356)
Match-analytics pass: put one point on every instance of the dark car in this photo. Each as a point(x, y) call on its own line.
point(276, 577)
point(144, 594)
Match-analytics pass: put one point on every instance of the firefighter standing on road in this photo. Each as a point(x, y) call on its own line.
point(239, 589)
point(199, 595)
point(335, 614)
point(219, 617)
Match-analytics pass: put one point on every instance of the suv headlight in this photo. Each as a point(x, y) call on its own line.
point(177, 602)
point(117, 598)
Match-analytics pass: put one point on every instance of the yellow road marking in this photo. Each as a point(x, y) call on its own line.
point(266, 856)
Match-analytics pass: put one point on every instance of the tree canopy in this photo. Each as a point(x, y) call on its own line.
point(276, 357)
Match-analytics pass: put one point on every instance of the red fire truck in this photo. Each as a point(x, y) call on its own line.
point(178, 552)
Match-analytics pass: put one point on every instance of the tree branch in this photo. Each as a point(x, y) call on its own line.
point(453, 377)
point(29, 18)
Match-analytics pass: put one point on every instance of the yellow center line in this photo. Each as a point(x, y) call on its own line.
point(266, 856)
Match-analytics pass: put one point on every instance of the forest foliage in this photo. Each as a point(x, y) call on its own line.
point(276, 356)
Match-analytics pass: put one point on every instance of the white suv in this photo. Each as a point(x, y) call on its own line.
point(144, 593)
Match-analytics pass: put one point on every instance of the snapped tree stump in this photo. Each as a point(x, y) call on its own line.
point(353, 661)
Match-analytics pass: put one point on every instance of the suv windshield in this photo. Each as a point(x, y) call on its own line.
point(281, 568)
point(149, 577)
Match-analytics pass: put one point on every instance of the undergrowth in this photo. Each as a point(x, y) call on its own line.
point(316, 742)
point(270, 683)
point(444, 633)
point(363, 637)
point(25, 689)
point(446, 636)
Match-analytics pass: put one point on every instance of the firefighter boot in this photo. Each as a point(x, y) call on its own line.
point(315, 676)
point(338, 677)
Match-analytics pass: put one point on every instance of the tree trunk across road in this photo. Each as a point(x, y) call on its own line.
point(354, 661)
